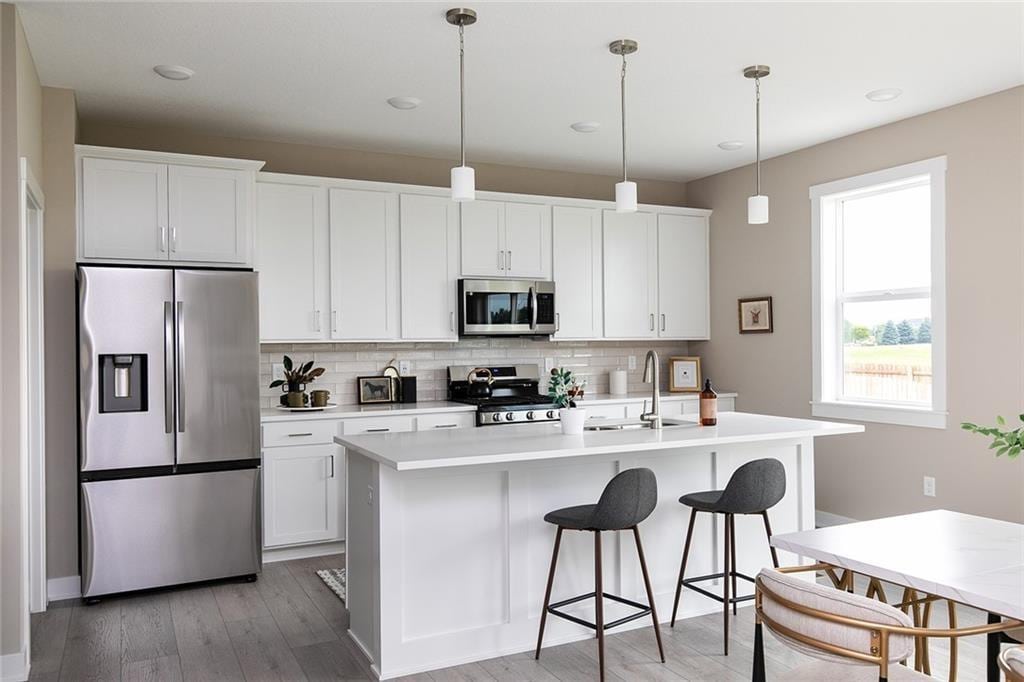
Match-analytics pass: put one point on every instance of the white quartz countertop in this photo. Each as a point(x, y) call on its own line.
point(532, 442)
point(639, 397)
point(383, 410)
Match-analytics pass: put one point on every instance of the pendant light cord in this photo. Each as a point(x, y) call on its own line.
point(623, 103)
point(757, 128)
point(462, 95)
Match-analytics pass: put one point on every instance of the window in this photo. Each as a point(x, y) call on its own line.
point(879, 296)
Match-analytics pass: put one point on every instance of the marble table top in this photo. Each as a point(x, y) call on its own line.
point(969, 559)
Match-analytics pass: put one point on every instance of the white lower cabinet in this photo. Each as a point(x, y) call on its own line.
point(303, 489)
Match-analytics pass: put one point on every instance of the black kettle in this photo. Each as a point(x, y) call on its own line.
point(480, 388)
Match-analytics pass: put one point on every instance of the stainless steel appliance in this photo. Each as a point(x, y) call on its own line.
point(514, 396)
point(169, 450)
point(506, 307)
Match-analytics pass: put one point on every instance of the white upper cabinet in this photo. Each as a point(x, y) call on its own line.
point(683, 276)
point(506, 239)
point(208, 212)
point(136, 206)
point(123, 208)
point(630, 275)
point(429, 266)
point(293, 261)
point(576, 256)
point(364, 264)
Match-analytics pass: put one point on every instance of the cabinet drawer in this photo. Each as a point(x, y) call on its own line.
point(446, 420)
point(606, 411)
point(352, 427)
point(280, 434)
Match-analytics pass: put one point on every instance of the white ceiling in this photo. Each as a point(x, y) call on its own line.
point(321, 73)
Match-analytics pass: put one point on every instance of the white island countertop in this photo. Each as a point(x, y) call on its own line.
point(531, 442)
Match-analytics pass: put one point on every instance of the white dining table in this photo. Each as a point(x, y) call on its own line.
point(967, 559)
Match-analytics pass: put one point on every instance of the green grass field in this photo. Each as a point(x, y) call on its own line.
point(911, 354)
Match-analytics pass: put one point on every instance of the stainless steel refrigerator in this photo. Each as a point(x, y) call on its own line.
point(169, 450)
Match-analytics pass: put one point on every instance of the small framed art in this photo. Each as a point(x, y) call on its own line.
point(756, 315)
point(684, 374)
point(375, 390)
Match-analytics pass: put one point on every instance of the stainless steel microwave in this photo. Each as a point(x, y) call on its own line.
point(506, 307)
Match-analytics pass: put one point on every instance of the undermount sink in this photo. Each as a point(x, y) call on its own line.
point(629, 425)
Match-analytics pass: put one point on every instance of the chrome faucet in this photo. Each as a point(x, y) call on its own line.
point(651, 369)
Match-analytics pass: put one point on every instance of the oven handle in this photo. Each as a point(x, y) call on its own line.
point(533, 309)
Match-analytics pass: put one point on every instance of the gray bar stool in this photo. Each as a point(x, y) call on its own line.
point(754, 488)
point(628, 499)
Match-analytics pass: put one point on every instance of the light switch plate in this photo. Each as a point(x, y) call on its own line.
point(632, 362)
point(929, 486)
point(277, 371)
point(404, 367)
point(549, 364)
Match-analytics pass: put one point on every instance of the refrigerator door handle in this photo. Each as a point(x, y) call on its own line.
point(180, 362)
point(168, 367)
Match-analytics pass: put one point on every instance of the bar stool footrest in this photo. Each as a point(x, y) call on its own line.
point(643, 610)
point(688, 583)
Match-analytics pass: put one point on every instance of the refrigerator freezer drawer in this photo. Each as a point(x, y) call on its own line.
point(139, 533)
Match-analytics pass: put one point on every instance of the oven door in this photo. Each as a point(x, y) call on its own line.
point(506, 308)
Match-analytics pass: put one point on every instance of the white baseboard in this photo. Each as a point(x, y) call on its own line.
point(68, 587)
point(303, 551)
point(824, 519)
point(14, 667)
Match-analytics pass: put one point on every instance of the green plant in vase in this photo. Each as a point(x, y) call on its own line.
point(1007, 442)
point(296, 378)
point(564, 388)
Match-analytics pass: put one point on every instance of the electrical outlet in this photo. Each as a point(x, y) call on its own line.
point(632, 362)
point(404, 367)
point(929, 486)
point(549, 364)
point(369, 495)
point(277, 371)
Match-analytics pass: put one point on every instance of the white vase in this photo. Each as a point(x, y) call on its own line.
point(572, 420)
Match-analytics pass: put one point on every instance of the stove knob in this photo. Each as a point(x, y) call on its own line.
point(551, 414)
point(510, 416)
point(496, 417)
point(529, 415)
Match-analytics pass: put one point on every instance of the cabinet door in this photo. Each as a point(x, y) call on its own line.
point(528, 240)
point(577, 272)
point(364, 264)
point(429, 251)
point(124, 210)
point(630, 275)
point(682, 277)
point(292, 259)
point(209, 214)
point(301, 487)
point(482, 238)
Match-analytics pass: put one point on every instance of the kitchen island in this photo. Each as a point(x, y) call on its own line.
point(447, 550)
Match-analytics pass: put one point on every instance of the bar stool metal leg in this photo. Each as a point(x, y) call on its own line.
point(547, 592)
point(768, 532)
point(599, 601)
point(682, 566)
point(725, 583)
point(732, 531)
point(650, 592)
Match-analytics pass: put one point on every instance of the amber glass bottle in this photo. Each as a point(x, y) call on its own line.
point(708, 405)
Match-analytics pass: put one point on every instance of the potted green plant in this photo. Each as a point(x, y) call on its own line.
point(296, 378)
point(1007, 442)
point(564, 388)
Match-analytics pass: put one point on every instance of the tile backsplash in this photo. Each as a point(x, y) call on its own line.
point(344, 362)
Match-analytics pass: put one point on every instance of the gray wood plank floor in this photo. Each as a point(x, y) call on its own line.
point(289, 626)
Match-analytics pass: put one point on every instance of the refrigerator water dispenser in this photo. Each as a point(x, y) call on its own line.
point(123, 383)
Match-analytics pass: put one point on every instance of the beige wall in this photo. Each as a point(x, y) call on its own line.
point(59, 129)
point(880, 472)
point(30, 106)
point(358, 165)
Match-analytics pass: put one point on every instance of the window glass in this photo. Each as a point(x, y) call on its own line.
point(887, 351)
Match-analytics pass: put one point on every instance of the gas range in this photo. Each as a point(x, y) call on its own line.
point(514, 398)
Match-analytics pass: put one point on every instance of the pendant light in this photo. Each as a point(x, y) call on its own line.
point(757, 205)
point(625, 191)
point(463, 177)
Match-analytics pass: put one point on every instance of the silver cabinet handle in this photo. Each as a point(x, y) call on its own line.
point(299, 435)
point(331, 458)
point(181, 366)
point(558, 322)
point(501, 260)
point(508, 265)
point(168, 366)
point(316, 320)
point(445, 426)
point(334, 320)
point(663, 322)
point(377, 430)
point(163, 238)
point(451, 320)
point(652, 322)
point(174, 239)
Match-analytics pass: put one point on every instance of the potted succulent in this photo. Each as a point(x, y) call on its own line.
point(296, 377)
point(1007, 442)
point(564, 389)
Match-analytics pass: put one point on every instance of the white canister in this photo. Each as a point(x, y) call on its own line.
point(572, 420)
point(617, 382)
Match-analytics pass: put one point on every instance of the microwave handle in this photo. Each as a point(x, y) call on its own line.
point(533, 308)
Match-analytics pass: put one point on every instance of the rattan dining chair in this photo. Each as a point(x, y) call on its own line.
point(853, 638)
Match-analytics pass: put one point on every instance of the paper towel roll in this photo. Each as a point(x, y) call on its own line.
point(617, 382)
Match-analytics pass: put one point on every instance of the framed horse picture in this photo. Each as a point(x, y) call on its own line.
point(756, 315)
point(375, 390)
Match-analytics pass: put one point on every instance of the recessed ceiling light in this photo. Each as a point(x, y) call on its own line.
point(174, 72)
point(884, 95)
point(730, 145)
point(585, 126)
point(404, 102)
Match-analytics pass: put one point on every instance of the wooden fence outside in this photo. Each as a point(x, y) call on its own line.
point(911, 383)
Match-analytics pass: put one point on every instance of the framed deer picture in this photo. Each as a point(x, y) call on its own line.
point(756, 315)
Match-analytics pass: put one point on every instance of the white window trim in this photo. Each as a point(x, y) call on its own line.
point(823, 404)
